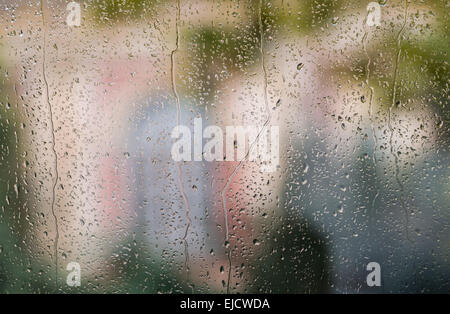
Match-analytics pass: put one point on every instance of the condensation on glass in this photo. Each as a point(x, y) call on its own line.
point(339, 159)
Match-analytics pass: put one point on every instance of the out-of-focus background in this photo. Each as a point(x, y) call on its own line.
point(86, 175)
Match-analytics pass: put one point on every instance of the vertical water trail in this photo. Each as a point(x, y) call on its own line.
point(52, 129)
point(263, 129)
point(397, 167)
point(371, 117)
point(394, 91)
point(180, 173)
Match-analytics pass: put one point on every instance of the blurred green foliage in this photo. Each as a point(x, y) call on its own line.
point(110, 12)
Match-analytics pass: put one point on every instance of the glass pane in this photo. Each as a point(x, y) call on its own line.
point(224, 146)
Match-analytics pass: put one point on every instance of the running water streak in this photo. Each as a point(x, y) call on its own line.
point(391, 129)
point(52, 129)
point(178, 164)
point(263, 129)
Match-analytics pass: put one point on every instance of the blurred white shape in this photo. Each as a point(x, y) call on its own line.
point(374, 14)
point(74, 16)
